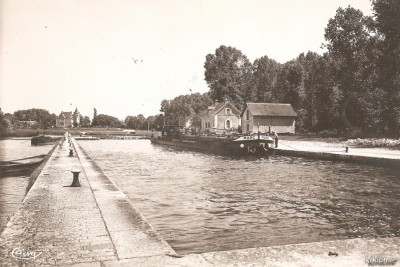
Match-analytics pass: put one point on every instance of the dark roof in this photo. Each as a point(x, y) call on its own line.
point(271, 109)
point(217, 108)
point(223, 104)
point(66, 115)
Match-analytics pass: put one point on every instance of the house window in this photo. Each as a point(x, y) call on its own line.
point(228, 111)
point(248, 114)
point(228, 124)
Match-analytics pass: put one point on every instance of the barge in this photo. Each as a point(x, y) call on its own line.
point(20, 166)
point(229, 145)
point(44, 140)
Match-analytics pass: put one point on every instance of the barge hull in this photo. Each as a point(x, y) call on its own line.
point(216, 146)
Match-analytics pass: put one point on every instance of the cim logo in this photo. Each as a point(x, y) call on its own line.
point(25, 254)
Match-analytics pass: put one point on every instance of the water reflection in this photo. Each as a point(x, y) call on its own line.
point(202, 202)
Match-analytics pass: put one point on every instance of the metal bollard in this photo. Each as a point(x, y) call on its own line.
point(75, 182)
point(71, 152)
point(347, 149)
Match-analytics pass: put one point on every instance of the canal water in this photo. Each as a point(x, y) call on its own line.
point(201, 202)
point(14, 189)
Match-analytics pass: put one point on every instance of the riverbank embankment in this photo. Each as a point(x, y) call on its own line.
point(96, 225)
point(340, 152)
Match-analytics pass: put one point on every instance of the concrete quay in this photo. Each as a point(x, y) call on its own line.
point(337, 152)
point(96, 225)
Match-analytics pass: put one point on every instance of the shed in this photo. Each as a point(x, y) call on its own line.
point(268, 117)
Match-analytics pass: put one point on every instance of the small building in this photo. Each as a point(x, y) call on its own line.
point(220, 118)
point(268, 117)
point(68, 119)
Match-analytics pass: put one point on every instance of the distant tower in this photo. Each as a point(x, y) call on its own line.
point(76, 118)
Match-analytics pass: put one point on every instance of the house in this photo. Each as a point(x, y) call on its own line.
point(220, 118)
point(68, 119)
point(268, 117)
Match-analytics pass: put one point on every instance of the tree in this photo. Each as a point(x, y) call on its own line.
point(351, 44)
point(228, 73)
point(85, 121)
point(325, 94)
point(41, 116)
point(387, 17)
point(289, 87)
point(136, 122)
point(102, 120)
point(3, 124)
point(158, 121)
point(265, 77)
point(185, 109)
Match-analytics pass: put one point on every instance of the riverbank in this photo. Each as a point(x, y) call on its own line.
point(340, 151)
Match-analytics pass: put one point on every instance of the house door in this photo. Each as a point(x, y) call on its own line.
point(228, 124)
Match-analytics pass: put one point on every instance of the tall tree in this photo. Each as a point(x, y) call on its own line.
point(265, 77)
point(350, 39)
point(228, 73)
point(387, 16)
point(289, 87)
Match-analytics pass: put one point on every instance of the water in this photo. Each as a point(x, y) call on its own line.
point(14, 189)
point(200, 202)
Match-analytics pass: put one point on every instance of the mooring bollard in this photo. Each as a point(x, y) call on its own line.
point(75, 182)
point(347, 149)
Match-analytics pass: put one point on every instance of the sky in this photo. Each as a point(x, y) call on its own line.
point(124, 57)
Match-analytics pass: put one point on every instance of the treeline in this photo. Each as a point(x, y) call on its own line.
point(40, 118)
point(33, 118)
point(354, 86)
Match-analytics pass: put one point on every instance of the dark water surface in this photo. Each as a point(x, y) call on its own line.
point(14, 189)
point(200, 202)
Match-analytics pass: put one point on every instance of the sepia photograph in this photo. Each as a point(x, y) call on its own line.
point(199, 133)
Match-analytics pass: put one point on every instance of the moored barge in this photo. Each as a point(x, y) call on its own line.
point(232, 145)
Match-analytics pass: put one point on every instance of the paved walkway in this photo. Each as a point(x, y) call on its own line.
point(339, 148)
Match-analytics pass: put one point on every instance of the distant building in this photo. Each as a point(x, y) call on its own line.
point(69, 119)
point(265, 117)
point(221, 117)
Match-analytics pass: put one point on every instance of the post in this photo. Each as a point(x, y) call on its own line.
point(71, 152)
point(75, 182)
